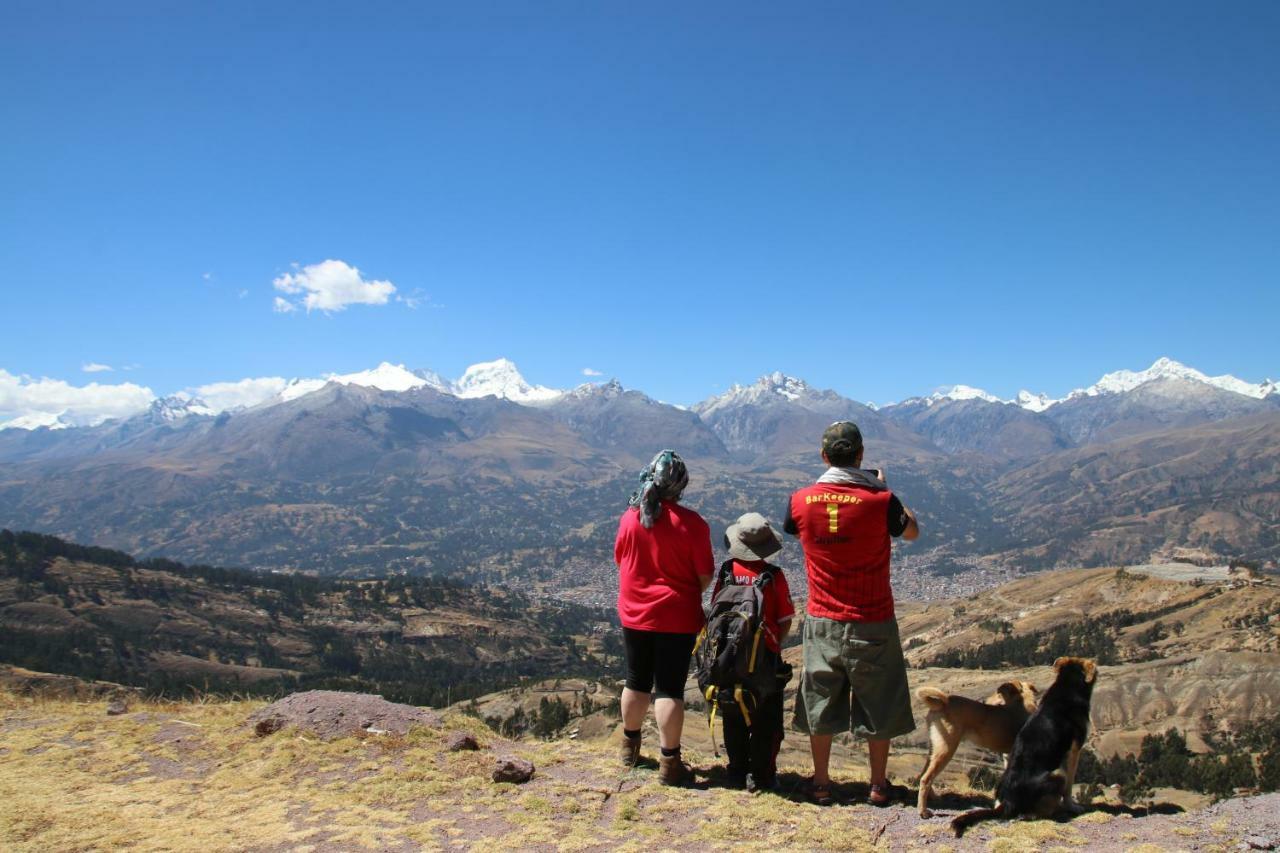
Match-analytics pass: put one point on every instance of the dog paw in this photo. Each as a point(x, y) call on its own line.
point(926, 813)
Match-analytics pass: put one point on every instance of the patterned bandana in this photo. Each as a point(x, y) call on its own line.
point(664, 478)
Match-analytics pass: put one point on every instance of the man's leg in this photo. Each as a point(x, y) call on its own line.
point(878, 753)
point(670, 716)
point(820, 746)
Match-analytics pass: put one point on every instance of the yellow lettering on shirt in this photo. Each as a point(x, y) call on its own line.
point(832, 498)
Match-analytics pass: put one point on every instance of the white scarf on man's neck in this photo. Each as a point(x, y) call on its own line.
point(851, 477)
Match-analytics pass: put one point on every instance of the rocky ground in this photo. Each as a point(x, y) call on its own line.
point(200, 776)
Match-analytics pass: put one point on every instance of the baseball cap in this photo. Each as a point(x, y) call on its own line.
point(842, 438)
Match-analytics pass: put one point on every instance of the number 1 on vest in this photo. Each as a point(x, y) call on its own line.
point(833, 517)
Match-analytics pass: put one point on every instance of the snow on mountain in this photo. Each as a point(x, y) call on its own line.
point(176, 407)
point(37, 420)
point(300, 387)
point(434, 380)
point(595, 390)
point(501, 379)
point(384, 377)
point(1034, 402)
point(962, 392)
point(1166, 368)
point(770, 387)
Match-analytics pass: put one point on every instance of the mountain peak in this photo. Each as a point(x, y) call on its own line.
point(176, 407)
point(1034, 402)
point(770, 387)
point(500, 378)
point(1166, 368)
point(962, 392)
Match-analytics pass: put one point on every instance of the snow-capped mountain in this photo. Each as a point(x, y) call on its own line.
point(771, 388)
point(1123, 381)
point(177, 407)
point(1166, 368)
point(1033, 402)
point(778, 416)
point(38, 420)
point(595, 390)
point(962, 392)
point(500, 378)
point(384, 377)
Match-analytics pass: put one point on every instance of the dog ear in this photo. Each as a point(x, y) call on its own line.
point(1060, 663)
point(1009, 689)
point(1090, 671)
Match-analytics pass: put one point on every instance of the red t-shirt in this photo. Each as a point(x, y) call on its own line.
point(778, 607)
point(844, 530)
point(659, 570)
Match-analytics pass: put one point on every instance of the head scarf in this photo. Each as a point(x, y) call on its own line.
point(663, 479)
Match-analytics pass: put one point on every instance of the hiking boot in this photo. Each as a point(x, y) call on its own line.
point(629, 750)
point(673, 771)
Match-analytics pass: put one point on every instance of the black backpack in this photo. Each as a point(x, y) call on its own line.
point(732, 664)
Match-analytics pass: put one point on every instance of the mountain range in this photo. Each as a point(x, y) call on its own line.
point(396, 470)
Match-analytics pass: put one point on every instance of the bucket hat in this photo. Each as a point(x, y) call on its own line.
point(751, 538)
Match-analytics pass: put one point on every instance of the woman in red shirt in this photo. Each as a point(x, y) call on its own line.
point(664, 558)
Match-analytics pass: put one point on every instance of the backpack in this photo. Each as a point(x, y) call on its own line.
point(731, 662)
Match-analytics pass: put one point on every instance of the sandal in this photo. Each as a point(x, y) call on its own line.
point(883, 795)
point(820, 795)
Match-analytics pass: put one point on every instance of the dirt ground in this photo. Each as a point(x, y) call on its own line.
point(197, 777)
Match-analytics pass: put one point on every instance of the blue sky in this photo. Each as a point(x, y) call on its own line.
point(880, 198)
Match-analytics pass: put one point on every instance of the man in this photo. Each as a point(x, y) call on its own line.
point(855, 677)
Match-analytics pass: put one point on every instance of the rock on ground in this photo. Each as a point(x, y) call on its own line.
point(332, 714)
point(508, 768)
point(461, 741)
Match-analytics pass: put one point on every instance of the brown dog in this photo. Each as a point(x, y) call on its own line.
point(1042, 767)
point(991, 724)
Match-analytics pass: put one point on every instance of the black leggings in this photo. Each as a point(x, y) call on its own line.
point(657, 662)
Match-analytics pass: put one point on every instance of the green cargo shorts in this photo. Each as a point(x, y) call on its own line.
point(854, 679)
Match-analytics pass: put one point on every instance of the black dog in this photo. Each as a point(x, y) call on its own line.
point(1034, 784)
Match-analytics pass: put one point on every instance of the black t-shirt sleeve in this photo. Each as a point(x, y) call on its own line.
point(789, 522)
point(898, 518)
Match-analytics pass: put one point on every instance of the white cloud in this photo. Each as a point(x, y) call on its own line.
point(330, 286)
point(94, 367)
point(587, 371)
point(283, 306)
point(52, 401)
point(221, 396)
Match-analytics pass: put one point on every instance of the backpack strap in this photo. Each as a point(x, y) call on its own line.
point(726, 572)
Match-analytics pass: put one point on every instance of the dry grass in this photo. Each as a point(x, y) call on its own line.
point(192, 776)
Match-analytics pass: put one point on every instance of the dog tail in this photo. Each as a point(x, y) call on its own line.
point(960, 823)
point(933, 697)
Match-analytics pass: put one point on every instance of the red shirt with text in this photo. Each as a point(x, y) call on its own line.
point(844, 530)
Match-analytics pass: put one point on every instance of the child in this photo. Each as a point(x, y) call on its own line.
point(753, 749)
